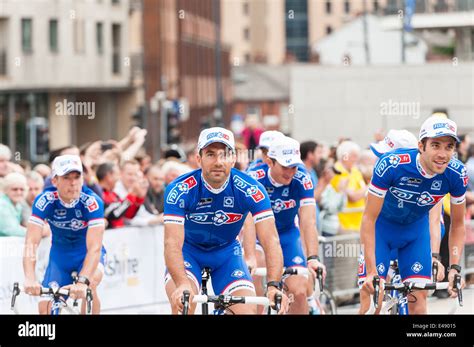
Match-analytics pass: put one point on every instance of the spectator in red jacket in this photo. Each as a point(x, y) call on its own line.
point(116, 209)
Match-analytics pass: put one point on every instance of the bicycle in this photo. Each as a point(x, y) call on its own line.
point(321, 294)
point(396, 302)
point(222, 303)
point(58, 299)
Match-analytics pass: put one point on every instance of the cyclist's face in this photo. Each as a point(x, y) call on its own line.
point(216, 161)
point(437, 154)
point(69, 186)
point(282, 174)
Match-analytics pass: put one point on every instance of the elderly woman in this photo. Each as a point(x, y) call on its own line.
point(14, 192)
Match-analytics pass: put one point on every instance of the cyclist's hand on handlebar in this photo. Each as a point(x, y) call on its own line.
point(177, 296)
point(441, 270)
point(314, 265)
point(32, 287)
point(77, 290)
point(369, 284)
point(271, 292)
point(251, 263)
point(452, 291)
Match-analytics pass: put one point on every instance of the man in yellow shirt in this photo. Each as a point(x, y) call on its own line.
point(351, 182)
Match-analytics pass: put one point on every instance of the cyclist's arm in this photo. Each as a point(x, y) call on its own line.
point(309, 232)
point(367, 232)
point(174, 239)
point(32, 240)
point(268, 237)
point(94, 238)
point(249, 237)
point(435, 227)
point(457, 232)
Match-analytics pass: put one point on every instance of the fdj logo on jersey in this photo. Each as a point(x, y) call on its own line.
point(280, 205)
point(180, 189)
point(249, 190)
point(391, 161)
point(421, 199)
point(217, 218)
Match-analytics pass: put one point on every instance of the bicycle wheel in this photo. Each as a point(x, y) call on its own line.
point(327, 302)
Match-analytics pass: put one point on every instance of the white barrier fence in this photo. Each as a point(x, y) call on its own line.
point(134, 270)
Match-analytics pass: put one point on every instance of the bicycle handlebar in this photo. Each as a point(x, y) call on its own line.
point(410, 286)
point(17, 289)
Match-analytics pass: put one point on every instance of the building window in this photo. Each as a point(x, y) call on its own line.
point(116, 48)
point(53, 35)
point(328, 7)
point(328, 29)
point(246, 8)
point(27, 35)
point(100, 37)
point(246, 34)
point(79, 39)
point(347, 7)
point(115, 2)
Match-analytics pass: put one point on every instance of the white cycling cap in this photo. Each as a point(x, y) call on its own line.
point(395, 139)
point(65, 164)
point(285, 151)
point(216, 134)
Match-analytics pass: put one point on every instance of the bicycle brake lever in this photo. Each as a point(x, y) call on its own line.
point(278, 299)
point(89, 299)
point(457, 286)
point(434, 272)
point(319, 272)
point(185, 301)
point(376, 284)
point(16, 292)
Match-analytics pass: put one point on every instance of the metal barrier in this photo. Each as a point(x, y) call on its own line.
point(340, 254)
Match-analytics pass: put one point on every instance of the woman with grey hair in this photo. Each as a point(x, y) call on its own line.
point(14, 192)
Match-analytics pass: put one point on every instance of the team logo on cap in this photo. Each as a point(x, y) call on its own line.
point(444, 126)
point(219, 135)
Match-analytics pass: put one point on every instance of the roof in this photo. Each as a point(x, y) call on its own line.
point(432, 20)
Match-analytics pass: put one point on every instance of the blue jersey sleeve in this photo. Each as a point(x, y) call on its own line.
point(458, 180)
point(382, 176)
point(177, 197)
point(41, 207)
point(305, 188)
point(93, 209)
point(255, 197)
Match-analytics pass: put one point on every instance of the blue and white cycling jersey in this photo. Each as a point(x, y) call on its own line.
point(403, 223)
point(69, 224)
point(255, 164)
point(286, 201)
point(212, 219)
point(409, 191)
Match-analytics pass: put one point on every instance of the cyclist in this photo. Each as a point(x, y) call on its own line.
point(291, 192)
point(405, 185)
point(266, 139)
point(75, 215)
point(203, 214)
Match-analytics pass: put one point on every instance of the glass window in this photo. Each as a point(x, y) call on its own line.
point(53, 35)
point(27, 35)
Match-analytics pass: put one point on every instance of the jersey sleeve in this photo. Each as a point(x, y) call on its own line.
point(305, 188)
point(94, 211)
point(255, 197)
point(40, 208)
point(382, 177)
point(458, 184)
point(177, 197)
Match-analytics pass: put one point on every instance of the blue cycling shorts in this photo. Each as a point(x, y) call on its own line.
point(62, 262)
point(229, 272)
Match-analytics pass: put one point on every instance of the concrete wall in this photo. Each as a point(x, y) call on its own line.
point(327, 103)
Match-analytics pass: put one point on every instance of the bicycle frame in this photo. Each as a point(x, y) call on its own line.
point(402, 300)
